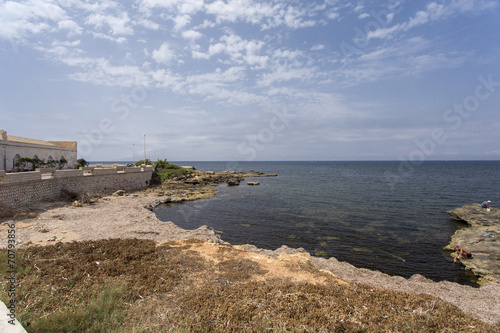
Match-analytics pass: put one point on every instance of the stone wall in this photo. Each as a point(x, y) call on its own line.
point(25, 188)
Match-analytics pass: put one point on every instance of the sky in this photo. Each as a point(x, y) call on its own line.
point(250, 80)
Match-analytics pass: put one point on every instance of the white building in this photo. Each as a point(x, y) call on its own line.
point(13, 148)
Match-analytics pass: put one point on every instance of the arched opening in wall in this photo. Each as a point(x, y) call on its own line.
point(15, 162)
point(62, 162)
point(37, 162)
point(51, 162)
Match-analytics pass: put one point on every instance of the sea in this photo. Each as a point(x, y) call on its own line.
point(388, 216)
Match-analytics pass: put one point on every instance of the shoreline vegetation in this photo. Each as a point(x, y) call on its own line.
point(106, 263)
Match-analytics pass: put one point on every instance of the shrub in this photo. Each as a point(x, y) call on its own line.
point(62, 162)
point(165, 170)
point(139, 163)
point(80, 163)
point(30, 164)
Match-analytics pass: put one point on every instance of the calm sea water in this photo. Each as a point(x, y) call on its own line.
point(385, 216)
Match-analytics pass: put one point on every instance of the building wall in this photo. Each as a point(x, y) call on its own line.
point(9, 149)
point(2, 156)
point(24, 188)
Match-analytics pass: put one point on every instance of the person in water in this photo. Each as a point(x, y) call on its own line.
point(486, 204)
point(462, 252)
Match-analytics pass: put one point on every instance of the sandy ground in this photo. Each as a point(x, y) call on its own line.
point(128, 217)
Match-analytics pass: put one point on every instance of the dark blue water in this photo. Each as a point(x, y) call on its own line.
point(386, 216)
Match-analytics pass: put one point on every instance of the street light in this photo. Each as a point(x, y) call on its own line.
point(134, 151)
point(144, 135)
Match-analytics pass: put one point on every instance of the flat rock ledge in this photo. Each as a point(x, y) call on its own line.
point(481, 238)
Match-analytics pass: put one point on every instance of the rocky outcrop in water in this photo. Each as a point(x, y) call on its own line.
point(214, 178)
point(481, 238)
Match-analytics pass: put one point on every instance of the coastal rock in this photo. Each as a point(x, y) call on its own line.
point(476, 216)
point(253, 183)
point(252, 173)
point(233, 182)
point(481, 238)
point(195, 180)
point(119, 193)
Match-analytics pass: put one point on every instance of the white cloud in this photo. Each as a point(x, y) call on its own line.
point(218, 77)
point(317, 47)
point(100, 35)
point(119, 25)
point(181, 6)
point(239, 50)
point(363, 15)
point(164, 55)
point(22, 20)
point(180, 21)
point(389, 17)
point(149, 24)
point(294, 18)
point(359, 8)
point(72, 27)
point(262, 13)
point(433, 12)
point(103, 73)
point(283, 73)
point(245, 10)
point(332, 15)
point(288, 55)
point(191, 34)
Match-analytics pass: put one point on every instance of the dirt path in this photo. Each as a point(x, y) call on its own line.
point(127, 216)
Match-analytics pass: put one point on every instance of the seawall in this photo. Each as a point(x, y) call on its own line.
point(24, 188)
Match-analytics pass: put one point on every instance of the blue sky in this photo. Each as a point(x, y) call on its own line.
point(251, 80)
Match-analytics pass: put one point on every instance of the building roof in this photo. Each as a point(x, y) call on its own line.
point(26, 140)
point(64, 144)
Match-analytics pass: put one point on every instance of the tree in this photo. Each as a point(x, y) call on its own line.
point(139, 163)
point(80, 163)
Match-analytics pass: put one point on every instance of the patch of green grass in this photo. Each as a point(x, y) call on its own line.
point(103, 312)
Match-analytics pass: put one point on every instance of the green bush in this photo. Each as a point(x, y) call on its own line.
point(165, 170)
point(62, 162)
point(30, 164)
point(139, 163)
point(80, 163)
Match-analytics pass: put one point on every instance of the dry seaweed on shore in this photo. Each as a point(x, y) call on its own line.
point(123, 285)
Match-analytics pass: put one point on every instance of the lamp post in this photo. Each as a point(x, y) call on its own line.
point(144, 135)
point(134, 151)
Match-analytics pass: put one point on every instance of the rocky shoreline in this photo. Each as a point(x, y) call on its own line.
point(481, 238)
point(129, 215)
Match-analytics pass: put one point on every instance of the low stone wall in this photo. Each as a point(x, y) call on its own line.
point(25, 188)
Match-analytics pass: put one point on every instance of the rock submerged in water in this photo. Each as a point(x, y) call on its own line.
point(481, 238)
